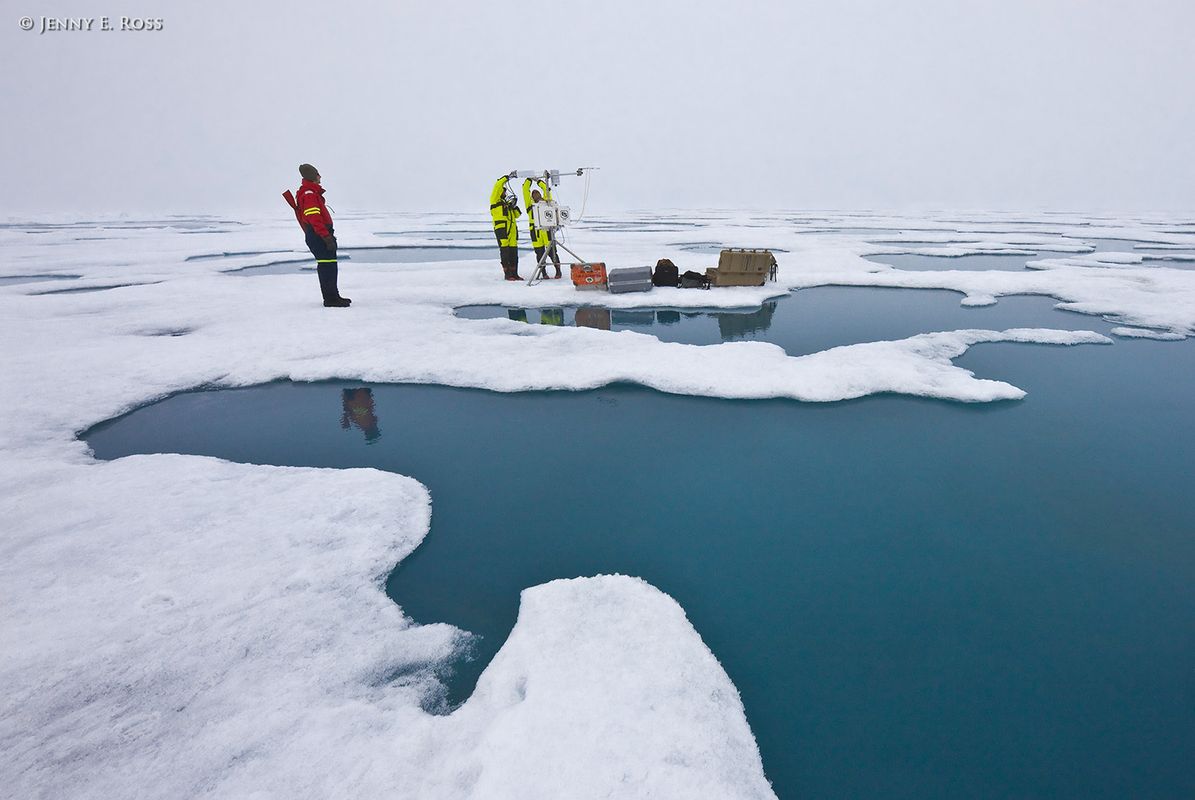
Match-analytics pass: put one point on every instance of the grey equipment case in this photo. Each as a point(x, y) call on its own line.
point(742, 267)
point(629, 279)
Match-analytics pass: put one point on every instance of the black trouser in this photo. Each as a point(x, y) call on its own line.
point(510, 260)
point(539, 254)
point(325, 263)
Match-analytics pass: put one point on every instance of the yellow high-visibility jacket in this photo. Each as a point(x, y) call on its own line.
point(506, 226)
point(538, 238)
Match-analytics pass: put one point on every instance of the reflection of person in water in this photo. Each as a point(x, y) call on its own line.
point(358, 410)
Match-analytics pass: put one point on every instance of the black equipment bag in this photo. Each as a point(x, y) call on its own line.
point(666, 274)
point(694, 280)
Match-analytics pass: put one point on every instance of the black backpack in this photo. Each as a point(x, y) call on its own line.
point(666, 274)
point(694, 280)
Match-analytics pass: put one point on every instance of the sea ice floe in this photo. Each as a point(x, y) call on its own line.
point(978, 300)
point(180, 626)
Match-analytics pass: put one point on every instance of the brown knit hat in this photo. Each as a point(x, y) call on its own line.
point(309, 172)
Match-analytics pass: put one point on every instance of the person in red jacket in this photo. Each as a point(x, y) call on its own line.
point(358, 410)
point(321, 238)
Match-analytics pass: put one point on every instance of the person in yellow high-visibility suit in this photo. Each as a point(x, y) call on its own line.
point(504, 209)
point(540, 240)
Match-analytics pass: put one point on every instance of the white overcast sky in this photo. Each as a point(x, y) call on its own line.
point(1015, 104)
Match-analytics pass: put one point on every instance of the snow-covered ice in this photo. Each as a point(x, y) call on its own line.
point(182, 626)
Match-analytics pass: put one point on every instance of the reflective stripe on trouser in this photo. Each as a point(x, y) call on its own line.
point(506, 231)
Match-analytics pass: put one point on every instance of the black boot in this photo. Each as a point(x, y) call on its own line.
point(327, 284)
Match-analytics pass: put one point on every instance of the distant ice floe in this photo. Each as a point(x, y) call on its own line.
point(1144, 333)
point(179, 626)
point(1095, 261)
point(978, 300)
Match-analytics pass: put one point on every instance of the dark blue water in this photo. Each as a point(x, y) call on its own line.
point(672, 325)
point(811, 320)
point(915, 599)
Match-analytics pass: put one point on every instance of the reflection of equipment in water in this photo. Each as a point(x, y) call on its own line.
point(358, 411)
point(593, 317)
point(632, 318)
point(736, 326)
point(551, 217)
point(516, 314)
point(551, 316)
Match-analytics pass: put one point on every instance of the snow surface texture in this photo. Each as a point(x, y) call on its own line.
point(184, 627)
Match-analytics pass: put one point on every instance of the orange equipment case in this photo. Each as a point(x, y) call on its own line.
point(589, 276)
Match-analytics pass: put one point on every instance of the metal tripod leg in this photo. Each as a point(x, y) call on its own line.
point(571, 253)
point(540, 272)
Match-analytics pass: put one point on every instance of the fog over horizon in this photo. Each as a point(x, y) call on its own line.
point(1015, 105)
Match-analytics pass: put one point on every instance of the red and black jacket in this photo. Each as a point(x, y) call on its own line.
point(312, 210)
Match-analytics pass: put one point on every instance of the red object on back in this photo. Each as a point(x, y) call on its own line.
point(289, 197)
